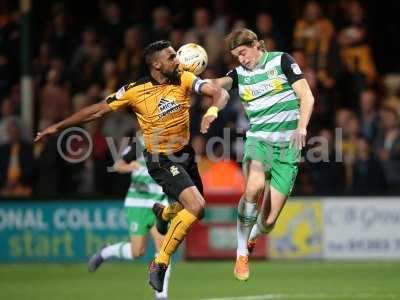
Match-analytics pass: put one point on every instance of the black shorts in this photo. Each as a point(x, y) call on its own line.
point(174, 172)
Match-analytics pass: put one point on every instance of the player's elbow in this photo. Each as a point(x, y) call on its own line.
point(101, 109)
point(221, 97)
point(212, 90)
point(100, 113)
point(308, 99)
point(311, 98)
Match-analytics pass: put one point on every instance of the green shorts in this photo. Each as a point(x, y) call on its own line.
point(139, 220)
point(279, 160)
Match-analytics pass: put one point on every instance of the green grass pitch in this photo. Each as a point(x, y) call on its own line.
point(312, 280)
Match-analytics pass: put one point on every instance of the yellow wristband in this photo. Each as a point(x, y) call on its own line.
point(212, 111)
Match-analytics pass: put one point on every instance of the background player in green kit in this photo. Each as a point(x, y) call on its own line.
point(278, 102)
point(142, 194)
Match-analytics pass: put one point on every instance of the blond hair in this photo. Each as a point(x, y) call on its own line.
point(243, 37)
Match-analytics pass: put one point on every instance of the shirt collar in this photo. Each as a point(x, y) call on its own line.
point(263, 60)
point(155, 82)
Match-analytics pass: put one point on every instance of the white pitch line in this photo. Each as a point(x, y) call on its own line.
point(312, 295)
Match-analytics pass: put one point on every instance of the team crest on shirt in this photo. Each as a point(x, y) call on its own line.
point(272, 73)
point(174, 170)
point(120, 93)
point(123, 90)
point(166, 107)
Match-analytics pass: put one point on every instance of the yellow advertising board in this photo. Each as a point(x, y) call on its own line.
point(298, 232)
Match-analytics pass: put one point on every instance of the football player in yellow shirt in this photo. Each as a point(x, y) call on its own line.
point(161, 103)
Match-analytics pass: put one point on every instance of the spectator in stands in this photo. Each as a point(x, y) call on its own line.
point(368, 176)
point(161, 26)
point(176, 37)
point(9, 45)
point(239, 24)
point(60, 36)
point(352, 38)
point(392, 90)
point(326, 171)
point(314, 36)
point(202, 34)
point(110, 77)
point(130, 60)
point(7, 113)
point(387, 145)
point(223, 16)
point(54, 98)
point(111, 27)
point(89, 39)
point(266, 31)
point(5, 73)
point(16, 164)
point(313, 33)
point(351, 133)
point(41, 64)
point(367, 114)
point(270, 44)
point(93, 94)
point(90, 69)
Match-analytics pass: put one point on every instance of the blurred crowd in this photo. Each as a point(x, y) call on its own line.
point(78, 60)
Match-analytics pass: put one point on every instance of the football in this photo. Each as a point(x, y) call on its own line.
point(192, 58)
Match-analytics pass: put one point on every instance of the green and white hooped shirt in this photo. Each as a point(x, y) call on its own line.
point(269, 100)
point(143, 190)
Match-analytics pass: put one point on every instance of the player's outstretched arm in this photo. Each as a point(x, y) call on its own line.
point(128, 162)
point(219, 99)
point(223, 82)
point(302, 90)
point(123, 167)
point(84, 115)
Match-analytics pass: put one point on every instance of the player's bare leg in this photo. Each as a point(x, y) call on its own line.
point(271, 207)
point(138, 245)
point(193, 209)
point(247, 215)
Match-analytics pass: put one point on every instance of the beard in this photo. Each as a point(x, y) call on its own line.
point(171, 75)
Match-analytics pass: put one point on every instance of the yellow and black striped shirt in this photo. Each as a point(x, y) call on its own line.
point(162, 110)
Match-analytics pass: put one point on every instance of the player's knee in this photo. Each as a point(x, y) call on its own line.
point(197, 208)
point(253, 190)
point(266, 226)
point(269, 225)
point(137, 252)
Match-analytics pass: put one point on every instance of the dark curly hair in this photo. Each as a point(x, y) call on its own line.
point(154, 48)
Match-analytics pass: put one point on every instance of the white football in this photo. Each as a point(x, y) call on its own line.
point(192, 58)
